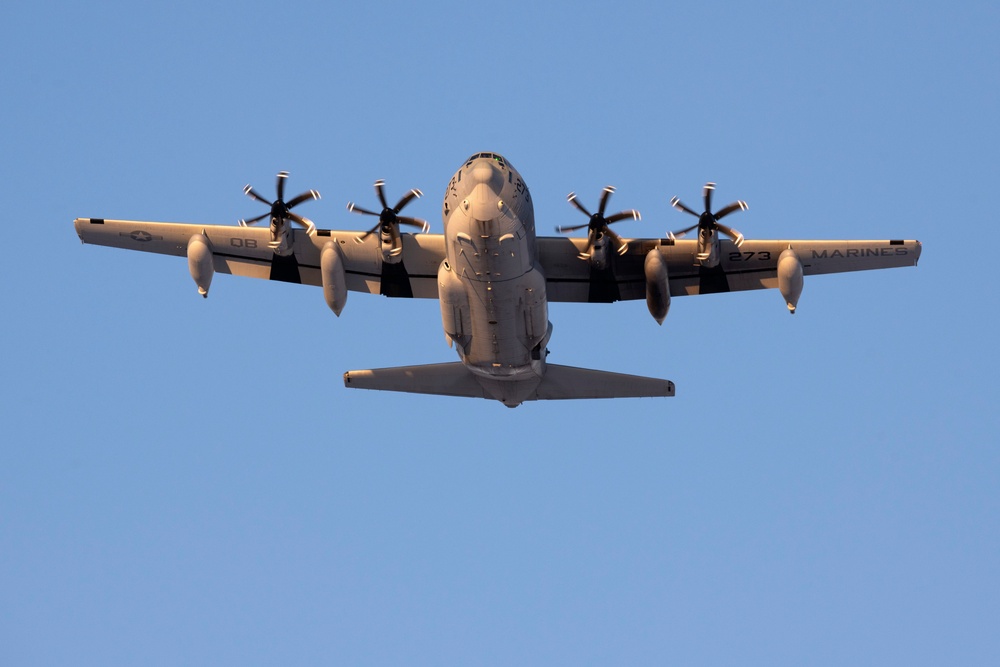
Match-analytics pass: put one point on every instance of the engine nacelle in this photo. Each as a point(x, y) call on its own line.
point(657, 285)
point(790, 278)
point(331, 269)
point(455, 315)
point(200, 262)
point(599, 253)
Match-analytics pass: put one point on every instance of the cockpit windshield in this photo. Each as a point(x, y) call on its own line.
point(489, 156)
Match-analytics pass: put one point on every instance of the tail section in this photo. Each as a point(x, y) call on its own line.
point(451, 379)
point(558, 383)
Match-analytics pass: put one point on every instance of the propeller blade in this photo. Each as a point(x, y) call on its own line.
point(571, 198)
point(414, 222)
point(305, 196)
point(352, 207)
point(253, 221)
point(605, 195)
point(620, 245)
point(707, 194)
point(253, 194)
point(676, 203)
point(735, 206)
point(573, 228)
point(282, 177)
point(407, 198)
point(586, 254)
point(308, 225)
point(683, 232)
point(362, 237)
point(624, 215)
point(380, 191)
point(298, 219)
point(731, 233)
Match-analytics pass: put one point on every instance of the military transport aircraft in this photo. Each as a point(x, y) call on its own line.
point(492, 275)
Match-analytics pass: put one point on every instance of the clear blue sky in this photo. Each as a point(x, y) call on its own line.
point(187, 482)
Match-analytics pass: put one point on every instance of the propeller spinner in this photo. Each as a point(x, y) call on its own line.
point(598, 224)
point(708, 222)
point(280, 209)
point(389, 219)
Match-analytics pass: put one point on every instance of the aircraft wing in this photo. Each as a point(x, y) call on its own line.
point(244, 251)
point(754, 265)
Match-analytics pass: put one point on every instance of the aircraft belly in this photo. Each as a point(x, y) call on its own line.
point(506, 295)
point(509, 319)
point(500, 344)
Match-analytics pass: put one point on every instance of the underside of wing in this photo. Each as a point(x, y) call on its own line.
point(753, 265)
point(247, 251)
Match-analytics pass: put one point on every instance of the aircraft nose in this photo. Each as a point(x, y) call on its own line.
point(487, 173)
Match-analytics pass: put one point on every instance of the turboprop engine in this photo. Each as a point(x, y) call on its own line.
point(281, 215)
point(708, 225)
point(389, 220)
point(599, 232)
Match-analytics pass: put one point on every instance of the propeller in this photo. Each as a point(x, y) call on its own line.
point(598, 223)
point(708, 222)
point(280, 209)
point(389, 219)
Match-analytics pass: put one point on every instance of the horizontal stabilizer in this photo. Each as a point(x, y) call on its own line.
point(450, 379)
point(563, 382)
point(559, 382)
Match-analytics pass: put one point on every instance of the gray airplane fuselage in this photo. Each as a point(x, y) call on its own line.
point(493, 303)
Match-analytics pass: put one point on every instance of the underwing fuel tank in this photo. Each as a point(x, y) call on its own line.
point(199, 256)
point(790, 278)
point(331, 269)
point(657, 286)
